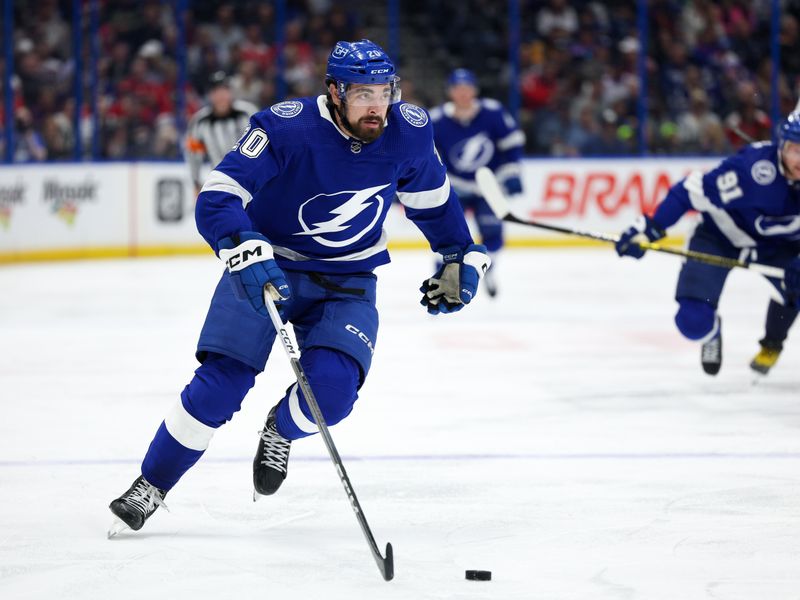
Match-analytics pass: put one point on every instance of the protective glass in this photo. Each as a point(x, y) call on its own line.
point(382, 94)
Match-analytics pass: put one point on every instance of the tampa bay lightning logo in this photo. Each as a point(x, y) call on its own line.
point(288, 109)
point(472, 153)
point(354, 215)
point(414, 114)
point(763, 172)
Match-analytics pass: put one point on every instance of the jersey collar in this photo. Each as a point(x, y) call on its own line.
point(322, 105)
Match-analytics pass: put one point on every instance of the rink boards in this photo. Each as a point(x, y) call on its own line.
point(83, 210)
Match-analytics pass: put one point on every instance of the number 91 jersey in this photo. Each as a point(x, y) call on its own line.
point(321, 196)
point(746, 198)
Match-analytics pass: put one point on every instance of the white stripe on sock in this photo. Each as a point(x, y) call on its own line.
point(303, 423)
point(187, 430)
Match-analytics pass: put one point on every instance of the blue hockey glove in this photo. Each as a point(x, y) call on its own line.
point(456, 282)
point(791, 281)
point(513, 186)
point(644, 227)
point(250, 262)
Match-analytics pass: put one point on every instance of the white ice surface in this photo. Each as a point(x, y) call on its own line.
point(562, 436)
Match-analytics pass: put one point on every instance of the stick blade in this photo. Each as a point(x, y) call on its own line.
point(492, 192)
point(388, 564)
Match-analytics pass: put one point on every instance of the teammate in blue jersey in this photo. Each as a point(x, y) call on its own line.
point(470, 133)
point(750, 204)
point(297, 208)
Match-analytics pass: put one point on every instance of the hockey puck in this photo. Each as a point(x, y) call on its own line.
point(479, 575)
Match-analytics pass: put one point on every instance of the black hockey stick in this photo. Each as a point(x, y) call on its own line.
point(385, 565)
point(496, 198)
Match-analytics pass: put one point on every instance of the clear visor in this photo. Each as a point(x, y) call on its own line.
point(382, 94)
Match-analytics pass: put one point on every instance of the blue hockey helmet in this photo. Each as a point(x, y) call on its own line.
point(462, 77)
point(362, 62)
point(789, 130)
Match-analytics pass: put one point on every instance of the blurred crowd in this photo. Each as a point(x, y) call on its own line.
point(708, 66)
point(139, 57)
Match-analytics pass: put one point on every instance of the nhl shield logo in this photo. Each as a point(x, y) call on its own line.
point(355, 146)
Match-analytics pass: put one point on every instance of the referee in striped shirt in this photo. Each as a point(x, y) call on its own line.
point(214, 129)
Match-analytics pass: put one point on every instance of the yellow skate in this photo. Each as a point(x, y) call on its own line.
point(764, 360)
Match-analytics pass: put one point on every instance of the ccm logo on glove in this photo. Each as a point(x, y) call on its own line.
point(247, 252)
point(250, 261)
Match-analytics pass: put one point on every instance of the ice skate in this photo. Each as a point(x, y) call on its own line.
point(272, 459)
point(711, 354)
point(764, 360)
point(135, 506)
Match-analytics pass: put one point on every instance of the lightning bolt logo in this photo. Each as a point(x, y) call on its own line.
point(472, 153)
point(345, 214)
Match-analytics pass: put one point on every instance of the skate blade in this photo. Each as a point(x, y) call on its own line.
point(257, 496)
point(118, 526)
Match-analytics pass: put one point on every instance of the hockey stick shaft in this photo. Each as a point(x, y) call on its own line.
point(289, 343)
point(492, 192)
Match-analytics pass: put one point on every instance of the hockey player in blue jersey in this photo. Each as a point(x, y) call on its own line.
point(750, 204)
point(470, 133)
point(297, 207)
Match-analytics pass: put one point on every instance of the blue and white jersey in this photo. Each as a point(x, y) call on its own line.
point(746, 199)
point(490, 139)
point(320, 196)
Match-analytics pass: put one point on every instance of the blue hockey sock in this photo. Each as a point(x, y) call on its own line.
point(167, 460)
point(213, 395)
point(695, 319)
point(334, 378)
point(779, 320)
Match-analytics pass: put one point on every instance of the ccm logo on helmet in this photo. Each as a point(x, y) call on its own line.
point(378, 71)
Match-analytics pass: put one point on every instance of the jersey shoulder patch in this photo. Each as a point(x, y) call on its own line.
point(287, 123)
point(763, 172)
point(287, 109)
point(415, 115)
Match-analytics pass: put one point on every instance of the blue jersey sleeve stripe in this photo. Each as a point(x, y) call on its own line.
point(512, 140)
point(218, 181)
point(722, 219)
point(426, 198)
